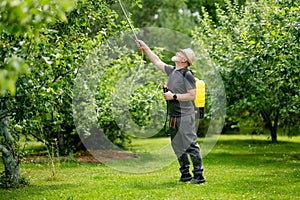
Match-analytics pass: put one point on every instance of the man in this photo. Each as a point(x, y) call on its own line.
point(180, 97)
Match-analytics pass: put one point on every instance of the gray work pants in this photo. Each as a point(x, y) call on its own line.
point(184, 142)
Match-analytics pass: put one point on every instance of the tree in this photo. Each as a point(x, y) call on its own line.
point(257, 51)
point(20, 25)
point(10, 160)
point(49, 44)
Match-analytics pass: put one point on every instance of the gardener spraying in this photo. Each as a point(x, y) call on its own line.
point(180, 96)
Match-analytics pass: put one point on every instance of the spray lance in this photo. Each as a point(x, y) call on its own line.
point(130, 25)
point(165, 88)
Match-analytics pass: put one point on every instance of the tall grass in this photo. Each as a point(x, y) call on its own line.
point(239, 167)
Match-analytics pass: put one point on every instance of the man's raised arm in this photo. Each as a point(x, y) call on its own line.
point(151, 55)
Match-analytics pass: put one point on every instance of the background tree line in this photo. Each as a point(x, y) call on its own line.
point(254, 45)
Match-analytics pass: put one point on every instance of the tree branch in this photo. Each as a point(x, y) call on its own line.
point(4, 151)
point(3, 114)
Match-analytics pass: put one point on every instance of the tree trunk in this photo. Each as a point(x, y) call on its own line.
point(10, 161)
point(272, 126)
point(273, 135)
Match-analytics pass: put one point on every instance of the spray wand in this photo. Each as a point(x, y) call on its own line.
point(131, 27)
point(166, 89)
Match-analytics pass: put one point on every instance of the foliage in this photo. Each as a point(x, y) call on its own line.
point(132, 98)
point(171, 14)
point(120, 104)
point(49, 46)
point(42, 105)
point(179, 15)
point(210, 6)
point(260, 70)
point(23, 19)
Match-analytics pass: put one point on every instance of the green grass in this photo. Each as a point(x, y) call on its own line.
point(239, 167)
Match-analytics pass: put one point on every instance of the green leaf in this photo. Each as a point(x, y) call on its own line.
point(252, 42)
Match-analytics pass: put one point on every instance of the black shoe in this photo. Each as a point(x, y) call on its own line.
point(185, 177)
point(197, 180)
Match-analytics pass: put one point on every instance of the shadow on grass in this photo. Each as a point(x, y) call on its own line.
point(255, 153)
point(256, 141)
point(36, 191)
point(145, 185)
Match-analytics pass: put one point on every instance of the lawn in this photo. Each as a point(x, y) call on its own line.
point(238, 167)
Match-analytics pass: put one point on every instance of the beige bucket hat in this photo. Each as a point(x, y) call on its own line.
point(189, 54)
